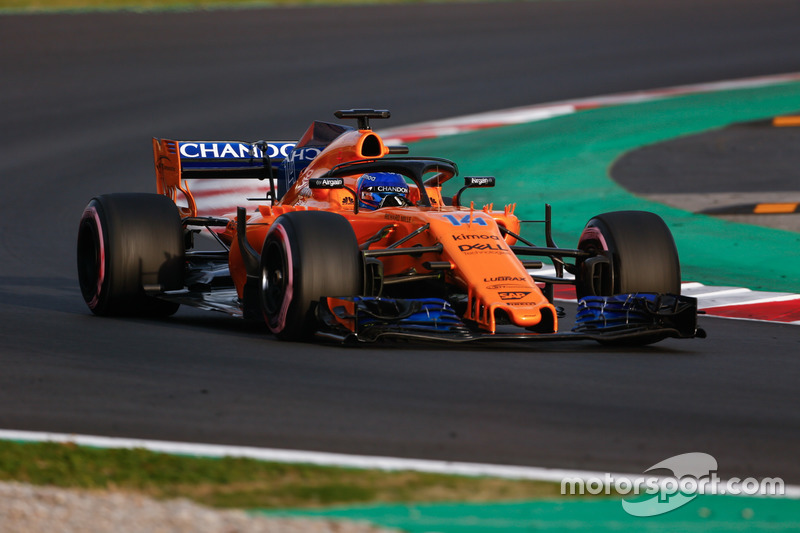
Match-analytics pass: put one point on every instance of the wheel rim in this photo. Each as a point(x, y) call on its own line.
point(91, 258)
point(642, 253)
point(277, 283)
point(273, 278)
point(593, 241)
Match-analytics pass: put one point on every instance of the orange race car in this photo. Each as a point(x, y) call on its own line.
point(353, 240)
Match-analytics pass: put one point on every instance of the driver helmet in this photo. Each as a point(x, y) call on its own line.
point(381, 189)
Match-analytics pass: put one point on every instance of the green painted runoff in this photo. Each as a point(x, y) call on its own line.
point(565, 161)
point(598, 515)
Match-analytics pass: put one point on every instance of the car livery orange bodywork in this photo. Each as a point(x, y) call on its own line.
point(481, 262)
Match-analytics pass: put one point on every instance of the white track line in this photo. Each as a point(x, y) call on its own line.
point(533, 113)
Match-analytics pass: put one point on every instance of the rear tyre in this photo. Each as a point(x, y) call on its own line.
point(126, 242)
point(306, 256)
point(642, 254)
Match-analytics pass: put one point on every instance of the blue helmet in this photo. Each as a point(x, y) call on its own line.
point(381, 189)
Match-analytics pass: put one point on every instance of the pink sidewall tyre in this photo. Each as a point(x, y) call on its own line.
point(307, 255)
point(642, 252)
point(127, 242)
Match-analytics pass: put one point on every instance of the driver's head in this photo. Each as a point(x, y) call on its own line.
point(381, 189)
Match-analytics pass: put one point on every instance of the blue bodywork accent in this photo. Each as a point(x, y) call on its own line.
point(231, 155)
point(427, 313)
point(375, 316)
point(635, 311)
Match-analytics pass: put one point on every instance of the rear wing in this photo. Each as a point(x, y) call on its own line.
point(177, 161)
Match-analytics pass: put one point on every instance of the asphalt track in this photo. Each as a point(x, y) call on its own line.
point(80, 96)
point(752, 158)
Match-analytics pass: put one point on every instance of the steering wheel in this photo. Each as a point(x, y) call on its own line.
point(395, 200)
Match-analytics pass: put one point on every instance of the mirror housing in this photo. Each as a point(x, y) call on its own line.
point(473, 182)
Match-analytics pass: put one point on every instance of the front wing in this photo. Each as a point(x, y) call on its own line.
point(629, 318)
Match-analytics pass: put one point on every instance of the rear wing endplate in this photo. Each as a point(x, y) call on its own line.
point(177, 161)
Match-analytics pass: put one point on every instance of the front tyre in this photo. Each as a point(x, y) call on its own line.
point(635, 254)
point(126, 242)
point(307, 255)
point(641, 255)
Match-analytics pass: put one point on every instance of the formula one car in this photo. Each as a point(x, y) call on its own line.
point(354, 240)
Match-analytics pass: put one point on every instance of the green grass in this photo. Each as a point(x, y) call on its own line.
point(245, 483)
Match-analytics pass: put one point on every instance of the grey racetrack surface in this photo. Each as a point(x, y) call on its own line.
point(752, 162)
point(81, 95)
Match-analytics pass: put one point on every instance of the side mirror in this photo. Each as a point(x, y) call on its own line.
point(473, 182)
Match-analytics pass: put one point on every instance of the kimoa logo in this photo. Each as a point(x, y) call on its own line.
point(463, 237)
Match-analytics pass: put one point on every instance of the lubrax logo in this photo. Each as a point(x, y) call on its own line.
point(487, 247)
point(475, 237)
point(503, 278)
